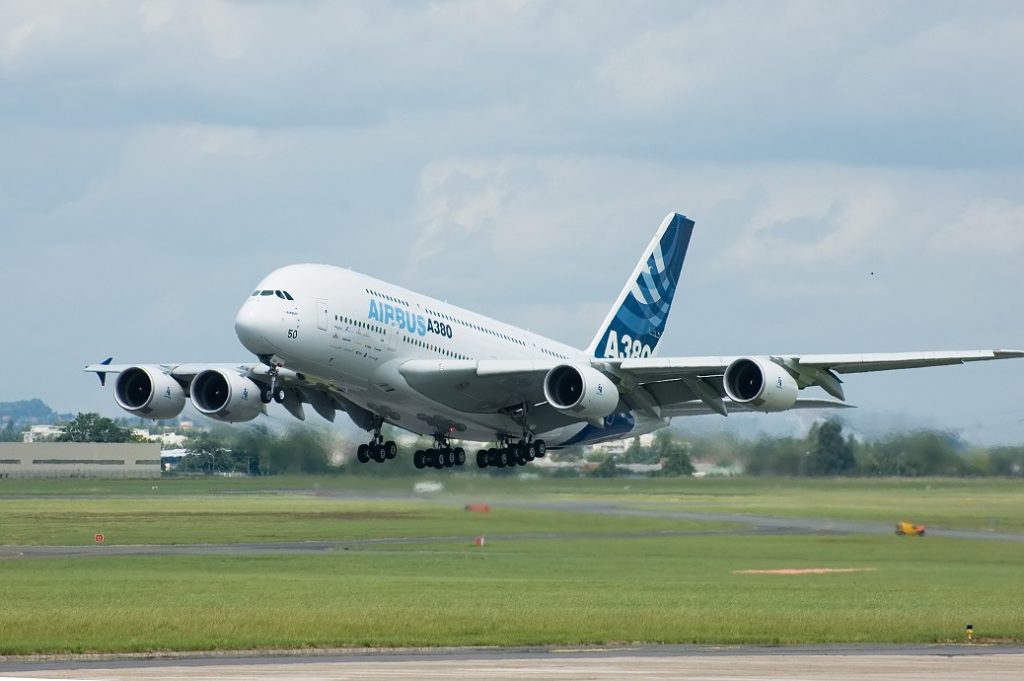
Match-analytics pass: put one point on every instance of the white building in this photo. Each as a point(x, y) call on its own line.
point(41, 433)
point(618, 447)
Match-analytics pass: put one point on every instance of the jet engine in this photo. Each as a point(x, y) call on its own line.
point(150, 392)
point(760, 384)
point(226, 396)
point(578, 391)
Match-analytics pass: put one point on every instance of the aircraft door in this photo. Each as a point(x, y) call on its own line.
point(393, 337)
point(321, 315)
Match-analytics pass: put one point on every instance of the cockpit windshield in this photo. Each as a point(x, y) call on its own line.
point(273, 292)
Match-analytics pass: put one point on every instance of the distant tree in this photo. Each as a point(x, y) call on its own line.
point(207, 452)
point(830, 452)
point(776, 456)
point(635, 453)
point(606, 469)
point(91, 427)
point(675, 456)
point(10, 433)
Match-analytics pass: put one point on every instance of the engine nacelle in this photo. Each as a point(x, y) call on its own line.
point(580, 391)
point(760, 384)
point(149, 392)
point(226, 396)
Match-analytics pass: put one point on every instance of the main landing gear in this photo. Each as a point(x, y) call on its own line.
point(441, 455)
point(377, 449)
point(511, 453)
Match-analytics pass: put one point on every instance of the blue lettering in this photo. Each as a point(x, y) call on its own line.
point(421, 326)
point(400, 317)
point(374, 312)
point(389, 313)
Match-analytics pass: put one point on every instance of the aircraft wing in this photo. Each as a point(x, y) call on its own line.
point(664, 387)
point(301, 388)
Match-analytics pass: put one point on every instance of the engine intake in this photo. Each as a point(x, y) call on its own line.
point(226, 396)
point(149, 392)
point(760, 384)
point(583, 392)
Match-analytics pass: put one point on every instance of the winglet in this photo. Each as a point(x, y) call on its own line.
point(103, 374)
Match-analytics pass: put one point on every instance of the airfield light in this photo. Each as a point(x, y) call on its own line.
point(970, 633)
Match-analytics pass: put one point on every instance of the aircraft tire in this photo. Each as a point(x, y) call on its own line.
point(460, 456)
point(266, 397)
point(481, 459)
point(436, 458)
point(363, 453)
point(390, 449)
point(540, 448)
point(417, 459)
point(377, 453)
point(279, 395)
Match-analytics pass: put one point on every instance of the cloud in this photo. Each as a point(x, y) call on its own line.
point(514, 157)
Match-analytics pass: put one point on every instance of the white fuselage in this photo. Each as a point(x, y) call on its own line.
point(351, 332)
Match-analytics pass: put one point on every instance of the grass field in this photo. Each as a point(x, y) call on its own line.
point(608, 579)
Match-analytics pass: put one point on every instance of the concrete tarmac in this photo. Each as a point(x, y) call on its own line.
point(836, 663)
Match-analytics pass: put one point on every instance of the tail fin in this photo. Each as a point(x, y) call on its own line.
point(637, 320)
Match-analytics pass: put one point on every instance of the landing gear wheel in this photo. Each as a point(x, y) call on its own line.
point(363, 453)
point(390, 449)
point(437, 458)
point(279, 395)
point(481, 459)
point(377, 453)
point(541, 448)
point(418, 459)
point(266, 396)
point(530, 451)
point(460, 456)
point(502, 457)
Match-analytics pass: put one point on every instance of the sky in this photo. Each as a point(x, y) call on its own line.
point(855, 171)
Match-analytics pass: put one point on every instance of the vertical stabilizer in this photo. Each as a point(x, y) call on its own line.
point(636, 322)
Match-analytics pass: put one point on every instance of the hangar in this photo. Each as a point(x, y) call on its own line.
point(79, 460)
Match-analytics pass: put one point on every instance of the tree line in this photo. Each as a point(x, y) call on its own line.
point(827, 450)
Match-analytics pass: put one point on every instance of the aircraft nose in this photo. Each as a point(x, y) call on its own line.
point(251, 328)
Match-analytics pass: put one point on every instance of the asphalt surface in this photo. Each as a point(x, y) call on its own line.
point(841, 663)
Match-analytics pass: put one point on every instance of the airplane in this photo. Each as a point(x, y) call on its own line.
point(339, 340)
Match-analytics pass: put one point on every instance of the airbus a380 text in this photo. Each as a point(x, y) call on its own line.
point(335, 340)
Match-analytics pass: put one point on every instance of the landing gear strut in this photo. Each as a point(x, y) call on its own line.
point(441, 455)
point(274, 391)
point(510, 452)
point(377, 449)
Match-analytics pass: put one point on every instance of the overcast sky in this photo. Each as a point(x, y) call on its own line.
point(854, 170)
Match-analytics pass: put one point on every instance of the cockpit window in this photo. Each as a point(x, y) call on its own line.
point(266, 293)
point(279, 294)
point(288, 296)
point(255, 293)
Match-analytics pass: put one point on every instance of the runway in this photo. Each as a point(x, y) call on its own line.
point(837, 663)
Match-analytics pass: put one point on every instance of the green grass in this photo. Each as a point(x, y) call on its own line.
point(609, 579)
point(676, 589)
point(251, 518)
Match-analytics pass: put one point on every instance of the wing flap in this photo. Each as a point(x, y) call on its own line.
point(478, 387)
